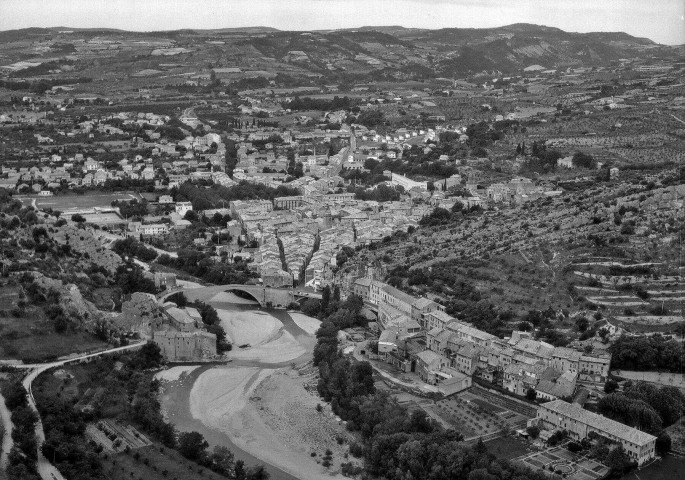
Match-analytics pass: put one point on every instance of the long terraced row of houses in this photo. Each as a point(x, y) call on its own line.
point(519, 362)
point(417, 335)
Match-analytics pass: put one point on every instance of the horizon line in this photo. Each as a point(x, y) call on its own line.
point(75, 29)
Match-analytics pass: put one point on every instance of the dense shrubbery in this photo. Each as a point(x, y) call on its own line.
point(647, 353)
point(211, 319)
point(462, 298)
point(193, 446)
point(130, 278)
point(442, 216)
point(134, 208)
point(133, 248)
point(307, 103)
point(644, 405)
point(41, 85)
point(201, 266)
point(382, 193)
point(647, 407)
point(22, 457)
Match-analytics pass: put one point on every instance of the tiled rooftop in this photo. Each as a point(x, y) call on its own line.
point(599, 422)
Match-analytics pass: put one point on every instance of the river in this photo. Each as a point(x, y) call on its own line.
point(282, 334)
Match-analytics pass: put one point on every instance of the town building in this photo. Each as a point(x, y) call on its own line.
point(407, 183)
point(580, 423)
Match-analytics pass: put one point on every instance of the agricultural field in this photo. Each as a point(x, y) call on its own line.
point(468, 419)
point(640, 297)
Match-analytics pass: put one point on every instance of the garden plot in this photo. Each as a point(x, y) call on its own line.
point(561, 461)
point(466, 418)
point(505, 415)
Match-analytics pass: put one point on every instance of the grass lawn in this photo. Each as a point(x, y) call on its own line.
point(154, 463)
point(33, 338)
point(507, 447)
point(668, 468)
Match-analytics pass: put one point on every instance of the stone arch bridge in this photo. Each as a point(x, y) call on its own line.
point(266, 296)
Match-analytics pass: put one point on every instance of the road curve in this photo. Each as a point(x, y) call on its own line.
point(46, 470)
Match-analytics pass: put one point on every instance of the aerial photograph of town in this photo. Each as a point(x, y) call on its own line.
point(342, 239)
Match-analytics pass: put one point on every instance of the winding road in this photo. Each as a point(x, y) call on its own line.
point(46, 470)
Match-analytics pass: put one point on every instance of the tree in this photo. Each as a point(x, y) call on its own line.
point(149, 356)
point(531, 394)
point(258, 472)
point(191, 216)
point(78, 218)
point(325, 298)
point(524, 327)
point(584, 160)
point(663, 443)
point(239, 472)
point(371, 118)
point(179, 299)
point(533, 431)
point(311, 307)
point(193, 446)
point(617, 460)
point(611, 386)
point(582, 323)
point(222, 460)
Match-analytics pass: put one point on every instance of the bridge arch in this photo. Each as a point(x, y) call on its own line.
point(266, 296)
point(256, 294)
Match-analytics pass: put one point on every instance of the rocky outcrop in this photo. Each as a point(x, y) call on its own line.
point(70, 299)
point(84, 242)
point(141, 314)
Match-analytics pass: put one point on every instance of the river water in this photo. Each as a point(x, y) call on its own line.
point(175, 398)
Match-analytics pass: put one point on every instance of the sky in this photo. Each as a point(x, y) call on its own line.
point(660, 20)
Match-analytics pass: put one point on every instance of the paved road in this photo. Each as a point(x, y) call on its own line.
point(46, 470)
point(7, 426)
